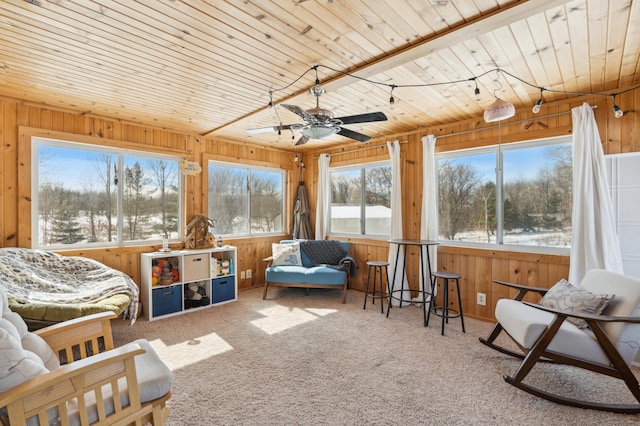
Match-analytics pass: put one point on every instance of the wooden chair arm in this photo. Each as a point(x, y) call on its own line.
point(76, 381)
point(269, 260)
point(584, 315)
point(347, 263)
point(522, 289)
point(90, 334)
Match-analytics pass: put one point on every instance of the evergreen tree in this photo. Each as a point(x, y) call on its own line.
point(65, 228)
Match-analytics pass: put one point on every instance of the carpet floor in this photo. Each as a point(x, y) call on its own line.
point(307, 359)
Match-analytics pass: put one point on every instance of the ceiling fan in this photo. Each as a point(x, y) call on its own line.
point(319, 123)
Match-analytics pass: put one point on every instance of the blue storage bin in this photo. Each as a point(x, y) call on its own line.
point(223, 289)
point(167, 300)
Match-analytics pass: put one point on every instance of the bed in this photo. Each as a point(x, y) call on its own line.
point(45, 287)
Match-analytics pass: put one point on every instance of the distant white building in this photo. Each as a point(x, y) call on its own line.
point(346, 218)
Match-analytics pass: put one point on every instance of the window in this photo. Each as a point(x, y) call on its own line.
point(246, 200)
point(518, 194)
point(95, 195)
point(361, 199)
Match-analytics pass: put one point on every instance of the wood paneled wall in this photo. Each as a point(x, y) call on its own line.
point(21, 120)
point(478, 266)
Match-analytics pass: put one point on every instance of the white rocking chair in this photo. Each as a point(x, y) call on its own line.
point(607, 346)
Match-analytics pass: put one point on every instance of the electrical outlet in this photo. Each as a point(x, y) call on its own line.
point(481, 299)
point(248, 273)
point(242, 275)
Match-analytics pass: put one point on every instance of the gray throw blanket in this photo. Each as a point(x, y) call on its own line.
point(329, 253)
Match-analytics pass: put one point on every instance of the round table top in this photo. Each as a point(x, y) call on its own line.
point(414, 242)
point(377, 263)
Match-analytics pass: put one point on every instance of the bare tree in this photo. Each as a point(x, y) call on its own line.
point(228, 199)
point(107, 175)
point(134, 200)
point(456, 185)
point(378, 186)
point(164, 173)
point(486, 195)
point(345, 189)
point(266, 203)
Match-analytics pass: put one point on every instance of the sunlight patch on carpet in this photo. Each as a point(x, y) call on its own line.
point(190, 351)
point(279, 318)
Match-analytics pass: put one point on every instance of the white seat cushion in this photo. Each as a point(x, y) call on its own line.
point(525, 324)
point(154, 381)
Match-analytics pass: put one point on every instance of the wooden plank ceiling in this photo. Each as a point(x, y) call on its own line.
point(207, 66)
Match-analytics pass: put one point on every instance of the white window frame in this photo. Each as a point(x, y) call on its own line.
point(249, 168)
point(499, 149)
point(37, 141)
point(358, 167)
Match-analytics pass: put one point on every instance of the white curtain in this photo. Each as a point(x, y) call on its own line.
point(595, 240)
point(429, 220)
point(322, 205)
point(396, 227)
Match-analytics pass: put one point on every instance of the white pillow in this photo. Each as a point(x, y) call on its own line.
point(563, 295)
point(286, 254)
point(17, 365)
point(36, 344)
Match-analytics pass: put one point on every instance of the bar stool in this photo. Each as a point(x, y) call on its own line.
point(377, 267)
point(446, 311)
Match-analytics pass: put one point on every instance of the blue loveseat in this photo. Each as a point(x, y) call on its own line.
point(316, 264)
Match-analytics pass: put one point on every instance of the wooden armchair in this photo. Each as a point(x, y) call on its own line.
point(95, 382)
point(605, 343)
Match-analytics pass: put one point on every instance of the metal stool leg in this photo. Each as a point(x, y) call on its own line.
point(445, 303)
point(460, 303)
point(366, 290)
point(383, 277)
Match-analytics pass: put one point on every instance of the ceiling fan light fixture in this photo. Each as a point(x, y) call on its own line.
point(499, 110)
point(319, 131)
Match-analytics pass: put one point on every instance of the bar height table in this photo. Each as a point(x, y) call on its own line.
point(426, 289)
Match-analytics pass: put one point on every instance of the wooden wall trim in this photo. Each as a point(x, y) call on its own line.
point(26, 133)
point(562, 259)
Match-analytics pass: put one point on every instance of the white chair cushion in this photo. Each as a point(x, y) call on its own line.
point(17, 365)
point(154, 380)
point(154, 377)
point(525, 324)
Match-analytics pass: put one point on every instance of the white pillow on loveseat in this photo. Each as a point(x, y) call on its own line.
point(23, 355)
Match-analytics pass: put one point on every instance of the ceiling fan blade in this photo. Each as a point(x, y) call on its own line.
point(353, 135)
point(303, 139)
point(363, 118)
point(270, 129)
point(299, 111)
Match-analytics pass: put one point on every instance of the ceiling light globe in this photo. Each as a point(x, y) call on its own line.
point(316, 131)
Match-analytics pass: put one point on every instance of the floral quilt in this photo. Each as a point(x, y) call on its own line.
point(42, 277)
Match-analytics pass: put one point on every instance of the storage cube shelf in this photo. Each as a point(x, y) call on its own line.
point(183, 280)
